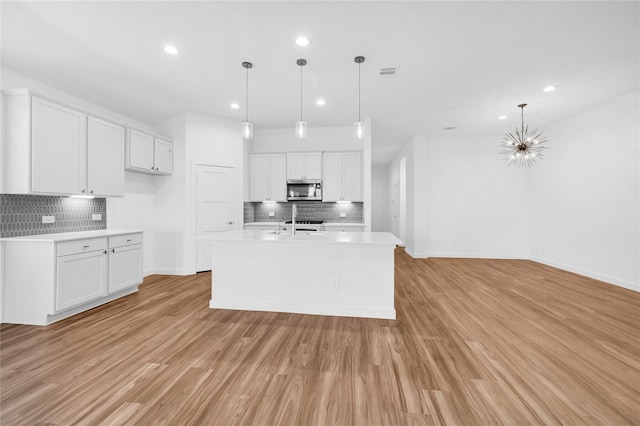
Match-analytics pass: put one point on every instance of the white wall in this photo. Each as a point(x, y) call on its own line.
point(414, 156)
point(380, 199)
point(477, 204)
point(198, 139)
point(585, 194)
point(319, 139)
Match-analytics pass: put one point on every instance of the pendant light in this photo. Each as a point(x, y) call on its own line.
point(247, 127)
point(301, 126)
point(524, 147)
point(357, 126)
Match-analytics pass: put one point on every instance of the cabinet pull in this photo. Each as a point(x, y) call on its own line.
point(83, 191)
point(86, 246)
point(128, 241)
point(113, 250)
point(105, 252)
point(91, 191)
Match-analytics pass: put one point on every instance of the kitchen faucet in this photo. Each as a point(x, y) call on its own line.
point(294, 210)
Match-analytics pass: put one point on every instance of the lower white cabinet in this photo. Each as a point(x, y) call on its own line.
point(125, 261)
point(51, 277)
point(81, 276)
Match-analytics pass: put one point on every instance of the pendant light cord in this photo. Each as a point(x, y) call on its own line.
point(300, 92)
point(247, 98)
point(358, 91)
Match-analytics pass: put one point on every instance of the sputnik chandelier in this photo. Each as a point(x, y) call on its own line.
point(524, 147)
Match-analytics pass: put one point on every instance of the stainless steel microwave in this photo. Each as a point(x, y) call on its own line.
point(309, 189)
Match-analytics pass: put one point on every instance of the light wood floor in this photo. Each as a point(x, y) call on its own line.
point(476, 342)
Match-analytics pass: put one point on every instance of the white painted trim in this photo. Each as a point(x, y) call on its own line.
point(479, 255)
point(160, 271)
point(341, 311)
point(607, 279)
point(415, 255)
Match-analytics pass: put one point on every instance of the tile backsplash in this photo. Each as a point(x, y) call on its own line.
point(307, 210)
point(21, 215)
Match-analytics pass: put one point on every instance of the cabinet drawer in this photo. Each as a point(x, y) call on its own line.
point(125, 240)
point(81, 246)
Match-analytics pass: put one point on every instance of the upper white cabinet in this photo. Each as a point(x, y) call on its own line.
point(105, 157)
point(342, 176)
point(268, 177)
point(54, 149)
point(58, 149)
point(148, 154)
point(304, 165)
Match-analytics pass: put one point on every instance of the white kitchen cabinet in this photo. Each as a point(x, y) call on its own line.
point(268, 177)
point(58, 148)
point(81, 268)
point(342, 176)
point(51, 277)
point(148, 154)
point(105, 158)
point(304, 165)
point(125, 261)
point(55, 149)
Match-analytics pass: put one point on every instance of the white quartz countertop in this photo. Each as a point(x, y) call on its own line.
point(325, 223)
point(69, 236)
point(307, 237)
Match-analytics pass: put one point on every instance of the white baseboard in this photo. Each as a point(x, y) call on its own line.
point(160, 271)
point(416, 255)
point(610, 280)
point(478, 255)
point(338, 311)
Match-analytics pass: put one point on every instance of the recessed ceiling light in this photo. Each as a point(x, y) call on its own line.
point(320, 102)
point(171, 50)
point(302, 41)
point(549, 89)
point(235, 106)
point(502, 117)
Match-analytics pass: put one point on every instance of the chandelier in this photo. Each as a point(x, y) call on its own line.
point(524, 147)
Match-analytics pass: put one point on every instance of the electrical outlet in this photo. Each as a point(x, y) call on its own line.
point(272, 214)
point(343, 214)
point(48, 219)
point(96, 216)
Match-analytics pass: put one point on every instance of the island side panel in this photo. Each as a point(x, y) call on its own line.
point(355, 280)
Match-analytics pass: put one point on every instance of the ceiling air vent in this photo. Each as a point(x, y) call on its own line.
point(388, 72)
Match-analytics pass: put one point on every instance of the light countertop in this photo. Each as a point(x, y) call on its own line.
point(323, 237)
point(69, 236)
point(325, 223)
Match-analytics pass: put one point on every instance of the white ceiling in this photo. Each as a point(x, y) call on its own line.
point(460, 63)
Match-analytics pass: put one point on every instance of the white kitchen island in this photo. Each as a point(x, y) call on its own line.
point(323, 273)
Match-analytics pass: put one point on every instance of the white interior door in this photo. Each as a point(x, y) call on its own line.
point(215, 207)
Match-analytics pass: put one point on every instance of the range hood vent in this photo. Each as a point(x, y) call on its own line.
point(388, 72)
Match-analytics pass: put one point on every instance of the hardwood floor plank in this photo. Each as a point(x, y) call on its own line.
point(476, 342)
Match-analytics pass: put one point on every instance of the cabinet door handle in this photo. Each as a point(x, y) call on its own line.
point(230, 223)
point(128, 241)
point(83, 191)
point(91, 191)
point(113, 250)
point(86, 246)
point(105, 252)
